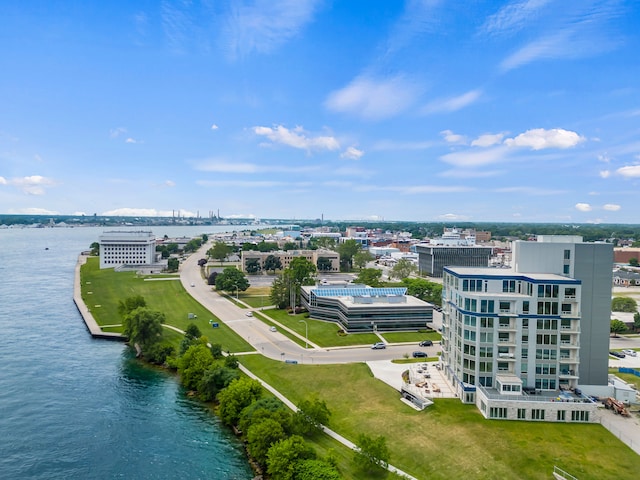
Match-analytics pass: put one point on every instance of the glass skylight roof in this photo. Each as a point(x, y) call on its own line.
point(359, 292)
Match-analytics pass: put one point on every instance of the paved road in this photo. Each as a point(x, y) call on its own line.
point(275, 345)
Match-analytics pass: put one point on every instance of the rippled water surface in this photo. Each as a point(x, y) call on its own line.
point(74, 407)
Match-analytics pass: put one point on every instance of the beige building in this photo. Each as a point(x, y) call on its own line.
point(285, 258)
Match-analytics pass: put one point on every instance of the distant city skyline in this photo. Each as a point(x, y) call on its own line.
point(521, 111)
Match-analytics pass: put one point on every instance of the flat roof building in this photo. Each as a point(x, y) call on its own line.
point(433, 258)
point(523, 343)
point(360, 308)
point(119, 248)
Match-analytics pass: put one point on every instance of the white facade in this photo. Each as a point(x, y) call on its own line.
point(126, 248)
point(515, 340)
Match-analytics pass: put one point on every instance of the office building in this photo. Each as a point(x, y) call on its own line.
point(119, 248)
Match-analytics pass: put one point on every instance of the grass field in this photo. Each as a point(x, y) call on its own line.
point(168, 296)
point(449, 439)
point(627, 377)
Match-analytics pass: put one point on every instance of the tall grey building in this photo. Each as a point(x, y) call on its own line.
point(433, 258)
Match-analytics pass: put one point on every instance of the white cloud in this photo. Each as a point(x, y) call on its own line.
point(487, 140)
point(604, 158)
point(224, 166)
point(583, 207)
point(530, 191)
point(467, 173)
point(3, 181)
point(373, 99)
point(450, 217)
point(214, 127)
point(33, 185)
point(352, 153)
point(451, 137)
point(170, 183)
point(116, 132)
point(263, 25)
point(605, 173)
point(145, 212)
point(297, 138)
point(512, 17)
point(612, 207)
point(539, 139)
point(475, 158)
point(452, 104)
point(33, 211)
point(630, 171)
point(131, 140)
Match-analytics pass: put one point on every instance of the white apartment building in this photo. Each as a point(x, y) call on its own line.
point(126, 248)
point(527, 343)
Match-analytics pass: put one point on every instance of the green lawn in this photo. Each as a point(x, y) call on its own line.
point(168, 296)
point(323, 334)
point(627, 377)
point(449, 439)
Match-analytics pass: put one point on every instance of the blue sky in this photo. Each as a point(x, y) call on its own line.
point(522, 111)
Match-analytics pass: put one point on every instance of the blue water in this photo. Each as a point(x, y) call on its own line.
point(75, 407)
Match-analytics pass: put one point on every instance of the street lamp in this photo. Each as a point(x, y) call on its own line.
point(306, 331)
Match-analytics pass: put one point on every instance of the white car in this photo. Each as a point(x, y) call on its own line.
point(631, 353)
point(273, 329)
point(249, 314)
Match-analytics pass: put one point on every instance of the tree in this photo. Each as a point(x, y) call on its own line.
point(252, 265)
point(192, 331)
point(272, 263)
point(324, 264)
point(95, 249)
point(267, 246)
point(424, 289)
point(372, 454)
point(361, 258)
point(143, 327)
point(302, 271)
point(403, 269)
point(129, 304)
point(312, 414)
point(283, 456)
point(173, 264)
point(633, 262)
point(238, 395)
point(192, 245)
point(267, 407)
point(289, 246)
point(618, 326)
point(623, 304)
point(347, 250)
point(231, 279)
point(328, 243)
point(279, 294)
point(205, 238)
point(215, 379)
point(211, 280)
point(261, 436)
point(202, 262)
point(219, 251)
point(315, 469)
point(636, 321)
point(193, 364)
point(370, 276)
point(159, 352)
point(173, 248)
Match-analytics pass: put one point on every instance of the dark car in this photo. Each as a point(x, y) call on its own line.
point(617, 354)
point(426, 343)
point(419, 354)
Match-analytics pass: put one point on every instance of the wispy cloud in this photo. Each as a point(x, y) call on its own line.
point(374, 99)
point(630, 171)
point(583, 207)
point(297, 138)
point(454, 138)
point(453, 217)
point(611, 207)
point(530, 191)
point(383, 145)
point(116, 132)
point(452, 104)
point(226, 166)
point(253, 183)
point(261, 26)
point(512, 17)
point(487, 140)
point(476, 158)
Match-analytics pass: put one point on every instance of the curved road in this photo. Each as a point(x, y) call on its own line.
point(274, 344)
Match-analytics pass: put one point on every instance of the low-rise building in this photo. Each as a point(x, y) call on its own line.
point(360, 308)
point(327, 261)
point(119, 248)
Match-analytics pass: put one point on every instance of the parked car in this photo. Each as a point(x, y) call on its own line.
point(419, 354)
point(249, 314)
point(378, 346)
point(631, 353)
point(426, 343)
point(617, 354)
point(273, 329)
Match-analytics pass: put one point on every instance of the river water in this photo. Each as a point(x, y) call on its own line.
point(75, 407)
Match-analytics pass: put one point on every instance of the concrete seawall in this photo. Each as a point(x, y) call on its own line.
point(89, 321)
